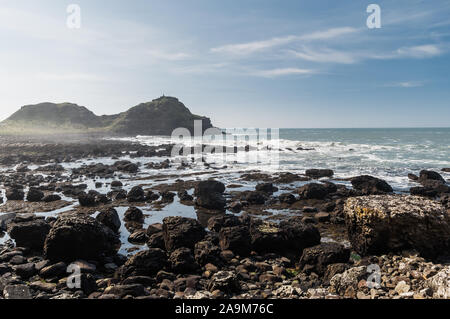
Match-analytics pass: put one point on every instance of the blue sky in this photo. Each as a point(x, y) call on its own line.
point(243, 63)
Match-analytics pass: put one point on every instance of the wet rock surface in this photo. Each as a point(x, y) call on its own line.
point(200, 235)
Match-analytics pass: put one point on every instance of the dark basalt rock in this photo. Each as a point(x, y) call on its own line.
point(167, 197)
point(266, 188)
point(318, 173)
point(138, 237)
point(216, 223)
point(134, 214)
point(209, 194)
point(236, 239)
point(136, 194)
point(369, 185)
point(255, 198)
point(313, 191)
point(156, 240)
point(182, 261)
point(15, 194)
point(182, 232)
point(116, 184)
point(316, 259)
point(430, 175)
point(34, 195)
point(126, 166)
point(30, 234)
point(87, 200)
point(110, 218)
point(288, 238)
point(206, 252)
point(144, 263)
point(79, 237)
point(184, 196)
point(51, 198)
point(287, 198)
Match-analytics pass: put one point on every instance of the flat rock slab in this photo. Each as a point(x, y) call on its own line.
point(17, 292)
point(18, 206)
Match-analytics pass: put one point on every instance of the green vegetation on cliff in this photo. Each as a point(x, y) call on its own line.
point(158, 117)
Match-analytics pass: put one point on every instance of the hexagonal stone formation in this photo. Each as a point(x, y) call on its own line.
point(379, 224)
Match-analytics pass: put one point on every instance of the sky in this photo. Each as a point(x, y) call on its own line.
point(246, 63)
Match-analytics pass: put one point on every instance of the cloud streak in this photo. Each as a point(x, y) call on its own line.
point(256, 46)
point(283, 72)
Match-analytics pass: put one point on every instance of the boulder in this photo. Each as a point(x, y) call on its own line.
point(51, 198)
point(167, 197)
point(126, 166)
point(236, 239)
point(224, 281)
point(440, 284)
point(255, 198)
point(379, 224)
point(369, 185)
point(426, 176)
point(57, 270)
point(313, 191)
point(144, 263)
point(87, 199)
point(317, 258)
point(184, 196)
point(15, 194)
point(348, 280)
point(30, 234)
point(209, 194)
point(34, 195)
point(182, 232)
point(136, 194)
point(287, 198)
point(134, 214)
point(156, 240)
point(116, 184)
point(182, 261)
point(75, 237)
point(138, 237)
point(318, 173)
point(110, 218)
point(298, 236)
point(206, 252)
point(266, 188)
point(216, 223)
point(286, 238)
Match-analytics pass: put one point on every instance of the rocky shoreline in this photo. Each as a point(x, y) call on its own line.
point(132, 230)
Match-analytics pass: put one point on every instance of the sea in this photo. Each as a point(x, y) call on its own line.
point(387, 153)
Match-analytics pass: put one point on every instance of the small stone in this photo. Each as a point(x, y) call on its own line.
point(402, 287)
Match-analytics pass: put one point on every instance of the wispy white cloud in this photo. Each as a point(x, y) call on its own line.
point(329, 34)
point(421, 51)
point(283, 72)
point(325, 55)
point(407, 84)
point(168, 56)
point(255, 46)
point(251, 47)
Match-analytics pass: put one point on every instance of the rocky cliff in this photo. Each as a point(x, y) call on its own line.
point(158, 117)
